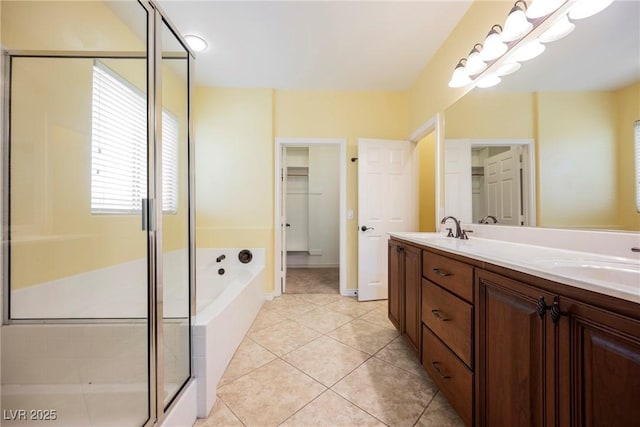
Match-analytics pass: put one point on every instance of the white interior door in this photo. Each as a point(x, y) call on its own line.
point(387, 201)
point(457, 179)
point(283, 219)
point(502, 185)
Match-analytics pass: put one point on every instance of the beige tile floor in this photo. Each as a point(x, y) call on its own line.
point(326, 360)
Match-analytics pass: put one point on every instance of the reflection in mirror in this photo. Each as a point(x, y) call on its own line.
point(578, 102)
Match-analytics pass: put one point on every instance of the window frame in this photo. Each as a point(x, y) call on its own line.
point(170, 171)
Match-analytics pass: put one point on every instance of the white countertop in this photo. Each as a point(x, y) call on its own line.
point(614, 276)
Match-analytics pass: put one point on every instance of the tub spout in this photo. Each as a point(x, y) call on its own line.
point(221, 257)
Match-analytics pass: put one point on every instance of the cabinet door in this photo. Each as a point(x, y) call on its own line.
point(605, 367)
point(514, 353)
point(395, 297)
point(412, 275)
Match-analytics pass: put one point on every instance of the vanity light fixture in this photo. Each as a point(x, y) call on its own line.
point(493, 46)
point(197, 43)
point(517, 25)
point(586, 8)
point(562, 28)
point(475, 64)
point(460, 77)
point(540, 8)
point(526, 28)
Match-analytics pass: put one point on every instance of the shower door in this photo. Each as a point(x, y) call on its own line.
point(98, 218)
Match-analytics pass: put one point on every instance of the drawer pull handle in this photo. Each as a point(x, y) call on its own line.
point(438, 315)
point(441, 273)
point(436, 366)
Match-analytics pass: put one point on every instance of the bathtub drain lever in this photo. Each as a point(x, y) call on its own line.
point(220, 258)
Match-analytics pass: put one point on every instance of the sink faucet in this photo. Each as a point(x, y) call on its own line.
point(458, 230)
point(485, 220)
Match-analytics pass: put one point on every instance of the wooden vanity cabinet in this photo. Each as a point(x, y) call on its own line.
point(405, 274)
point(510, 349)
point(600, 367)
point(515, 354)
point(394, 285)
point(579, 367)
point(447, 334)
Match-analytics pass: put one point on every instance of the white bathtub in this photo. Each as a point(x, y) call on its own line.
point(227, 304)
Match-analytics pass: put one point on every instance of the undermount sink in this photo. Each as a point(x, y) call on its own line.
point(621, 275)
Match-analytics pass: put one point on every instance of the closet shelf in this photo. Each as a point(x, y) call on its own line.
point(297, 171)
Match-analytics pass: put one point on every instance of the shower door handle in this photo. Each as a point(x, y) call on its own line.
point(147, 214)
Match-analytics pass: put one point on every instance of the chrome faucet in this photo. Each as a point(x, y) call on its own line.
point(485, 220)
point(458, 230)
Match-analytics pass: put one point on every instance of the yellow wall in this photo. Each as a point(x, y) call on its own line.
point(481, 114)
point(430, 93)
point(353, 115)
point(234, 170)
point(235, 131)
point(577, 158)
point(427, 183)
point(628, 111)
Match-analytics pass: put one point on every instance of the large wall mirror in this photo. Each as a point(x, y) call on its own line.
point(574, 107)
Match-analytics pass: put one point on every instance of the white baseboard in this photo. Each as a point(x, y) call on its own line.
point(350, 293)
point(268, 296)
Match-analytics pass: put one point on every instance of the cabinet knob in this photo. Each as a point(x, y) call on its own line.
point(436, 366)
point(441, 273)
point(554, 309)
point(437, 314)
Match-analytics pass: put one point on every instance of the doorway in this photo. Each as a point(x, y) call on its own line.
point(310, 216)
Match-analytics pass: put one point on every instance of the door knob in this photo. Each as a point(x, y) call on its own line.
point(288, 225)
point(365, 228)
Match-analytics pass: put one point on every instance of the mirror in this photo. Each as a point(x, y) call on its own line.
point(577, 102)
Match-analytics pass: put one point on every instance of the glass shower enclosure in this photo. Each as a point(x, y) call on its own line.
point(98, 243)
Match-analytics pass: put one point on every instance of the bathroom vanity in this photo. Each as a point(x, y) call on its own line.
point(516, 334)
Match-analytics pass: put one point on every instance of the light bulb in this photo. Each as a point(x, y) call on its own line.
point(493, 47)
point(528, 51)
point(475, 64)
point(516, 26)
point(586, 8)
point(460, 77)
point(198, 44)
point(540, 8)
point(489, 81)
point(507, 68)
point(561, 28)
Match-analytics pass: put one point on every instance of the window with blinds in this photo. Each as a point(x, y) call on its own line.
point(119, 147)
point(637, 147)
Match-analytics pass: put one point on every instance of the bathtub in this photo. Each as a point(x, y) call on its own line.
point(226, 304)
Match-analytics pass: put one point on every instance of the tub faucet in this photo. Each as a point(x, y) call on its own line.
point(458, 230)
point(486, 219)
point(221, 257)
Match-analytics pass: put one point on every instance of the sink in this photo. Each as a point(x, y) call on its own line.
point(618, 275)
point(426, 235)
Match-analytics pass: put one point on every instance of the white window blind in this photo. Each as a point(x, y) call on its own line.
point(119, 147)
point(637, 147)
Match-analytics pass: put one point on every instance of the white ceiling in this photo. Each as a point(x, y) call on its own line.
point(315, 45)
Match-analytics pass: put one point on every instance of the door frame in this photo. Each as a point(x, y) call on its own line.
point(280, 145)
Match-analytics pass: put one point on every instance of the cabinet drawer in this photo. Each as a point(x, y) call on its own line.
point(451, 376)
point(455, 276)
point(449, 318)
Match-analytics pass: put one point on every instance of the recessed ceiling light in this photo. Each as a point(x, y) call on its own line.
point(198, 44)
